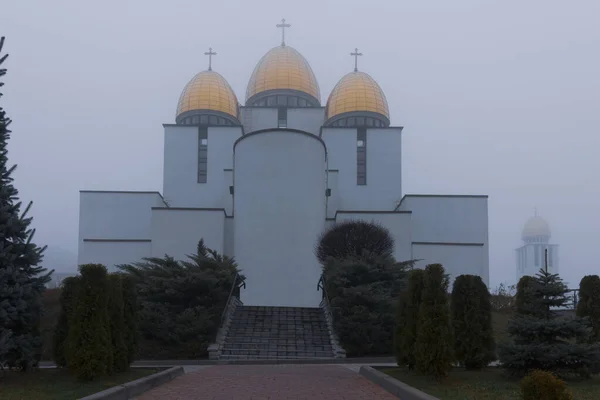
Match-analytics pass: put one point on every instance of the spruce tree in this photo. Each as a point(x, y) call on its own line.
point(22, 280)
point(471, 311)
point(589, 303)
point(433, 347)
point(543, 339)
point(407, 317)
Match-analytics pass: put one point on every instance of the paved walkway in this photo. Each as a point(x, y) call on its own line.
point(276, 382)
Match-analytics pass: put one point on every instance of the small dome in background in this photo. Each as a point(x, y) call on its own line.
point(535, 227)
point(283, 68)
point(209, 93)
point(357, 94)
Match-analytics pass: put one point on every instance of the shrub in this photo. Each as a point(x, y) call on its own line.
point(130, 315)
point(61, 332)
point(89, 346)
point(543, 385)
point(362, 296)
point(117, 324)
point(471, 311)
point(524, 293)
point(407, 317)
point(354, 239)
point(180, 302)
point(503, 298)
point(541, 339)
point(589, 303)
point(433, 347)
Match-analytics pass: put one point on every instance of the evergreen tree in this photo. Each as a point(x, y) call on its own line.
point(433, 347)
point(524, 294)
point(22, 281)
point(405, 334)
point(117, 324)
point(130, 314)
point(544, 340)
point(61, 332)
point(471, 311)
point(589, 303)
point(89, 345)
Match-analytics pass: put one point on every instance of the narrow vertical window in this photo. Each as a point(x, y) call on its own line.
point(202, 154)
point(282, 117)
point(361, 156)
point(536, 250)
point(550, 258)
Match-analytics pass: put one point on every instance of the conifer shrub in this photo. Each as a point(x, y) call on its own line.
point(130, 315)
point(89, 345)
point(589, 303)
point(363, 296)
point(407, 317)
point(117, 324)
point(433, 346)
point(61, 332)
point(471, 312)
point(543, 385)
point(524, 293)
point(354, 239)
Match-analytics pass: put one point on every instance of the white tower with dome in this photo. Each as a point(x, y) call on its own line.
point(531, 255)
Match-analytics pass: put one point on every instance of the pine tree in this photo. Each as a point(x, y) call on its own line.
point(433, 347)
point(589, 303)
point(471, 311)
point(542, 339)
point(407, 317)
point(22, 281)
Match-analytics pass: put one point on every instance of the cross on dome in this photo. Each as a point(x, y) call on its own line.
point(210, 53)
point(283, 25)
point(356, 54)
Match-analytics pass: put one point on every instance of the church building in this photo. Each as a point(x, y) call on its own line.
point(531, 256)
point(260, 181)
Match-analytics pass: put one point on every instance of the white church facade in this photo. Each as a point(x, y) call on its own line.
point(261, 181)
point(531, 255)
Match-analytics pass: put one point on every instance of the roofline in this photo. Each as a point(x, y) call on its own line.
point(357, 127)
point(286, 130)
point(448, 244)
point(126, 192)
point(189, 209)
point(449, 196)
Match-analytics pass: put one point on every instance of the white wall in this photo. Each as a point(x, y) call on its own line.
point(180, 173)
point(279, 208)
point(112, 253)
point(452, 219)
point(384, 168)
point(306, 119)
point(456, 259)
point(176, 232)
point(257, 118)
point(398, 223)
point(302, 118)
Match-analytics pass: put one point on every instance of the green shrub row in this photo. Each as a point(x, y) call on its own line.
point(95, 334)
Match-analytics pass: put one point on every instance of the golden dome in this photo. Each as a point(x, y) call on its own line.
point(357, 92)
point(536, 226)
point(283, 68)
point(208, 90)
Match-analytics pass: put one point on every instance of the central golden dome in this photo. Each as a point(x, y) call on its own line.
point(536, 226)
point(357, 92)
point(283, 68)
point(209, 91)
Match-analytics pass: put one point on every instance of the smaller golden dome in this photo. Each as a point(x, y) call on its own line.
point(208, 90)
point(357, 92)
point(283, 67)
point(536, 226)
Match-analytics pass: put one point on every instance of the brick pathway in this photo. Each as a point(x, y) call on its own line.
point(276, 382)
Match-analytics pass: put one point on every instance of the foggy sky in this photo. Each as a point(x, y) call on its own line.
point(496, 97)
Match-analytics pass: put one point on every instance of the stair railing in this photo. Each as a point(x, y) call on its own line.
point(321, 285)
point(238, 282)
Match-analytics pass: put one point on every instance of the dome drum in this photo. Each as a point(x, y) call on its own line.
point(206, 117)
point(283, 98)
point(355, 119)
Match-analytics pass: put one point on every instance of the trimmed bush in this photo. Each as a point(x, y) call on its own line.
point(362, 296)
point(524, 293)
point(589, 303)
point(405, 333)
point(433, 346)
point(61, 332)
point(355, 239)
point(89, 346)
point(543, 385)
point(117, 324)
point(130, 315)
point(471, 312)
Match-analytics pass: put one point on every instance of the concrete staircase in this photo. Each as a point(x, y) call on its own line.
point(271, 333)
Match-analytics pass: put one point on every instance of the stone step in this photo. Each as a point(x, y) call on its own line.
point(279, 353)
point(268, 357)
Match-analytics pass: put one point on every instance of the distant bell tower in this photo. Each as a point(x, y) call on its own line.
point(536, 239)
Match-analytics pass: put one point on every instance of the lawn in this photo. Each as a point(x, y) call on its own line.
point(57, 384)
point(489, 384)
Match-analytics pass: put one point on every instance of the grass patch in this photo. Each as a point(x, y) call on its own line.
point(488, 384)
point(57, 384)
